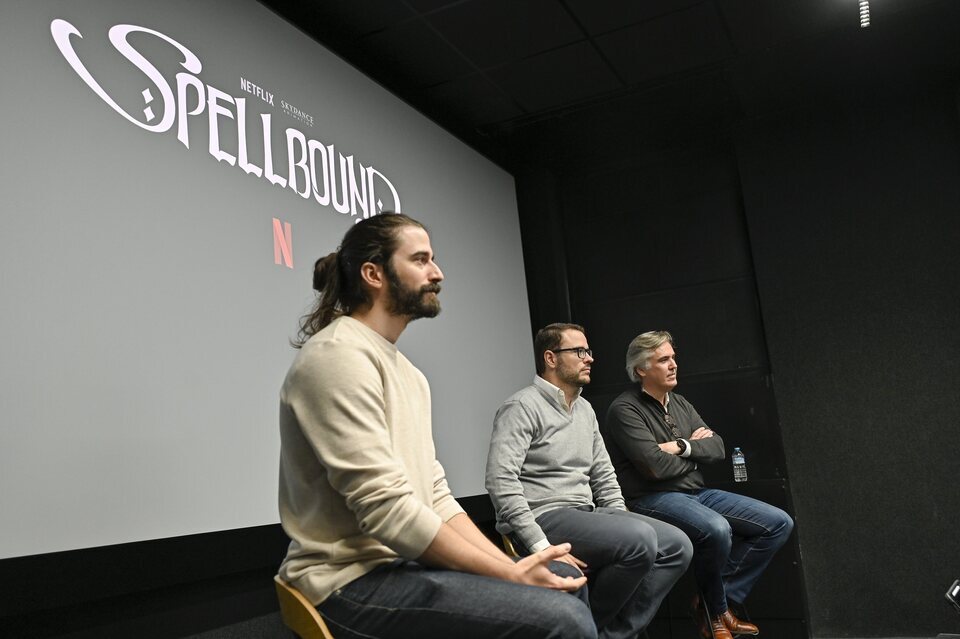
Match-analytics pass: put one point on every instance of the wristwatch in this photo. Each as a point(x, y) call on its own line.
point(682, 444)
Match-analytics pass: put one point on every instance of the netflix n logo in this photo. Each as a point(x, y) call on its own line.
point(282, 243)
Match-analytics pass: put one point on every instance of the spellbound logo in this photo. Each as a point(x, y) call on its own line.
point(311, 167)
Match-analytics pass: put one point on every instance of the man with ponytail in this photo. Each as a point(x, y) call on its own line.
point(378, 543)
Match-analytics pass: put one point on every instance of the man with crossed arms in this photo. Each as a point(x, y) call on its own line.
point(657, 440)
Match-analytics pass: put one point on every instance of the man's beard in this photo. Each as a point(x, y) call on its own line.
point(571, 375)
point(409, 302)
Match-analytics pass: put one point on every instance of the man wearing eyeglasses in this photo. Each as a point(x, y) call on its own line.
point(551, 481)
point(657, 440)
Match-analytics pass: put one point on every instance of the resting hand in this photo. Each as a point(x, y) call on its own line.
point(573, 561)
point(670, 448)
point(533, 571)
point(701, 433)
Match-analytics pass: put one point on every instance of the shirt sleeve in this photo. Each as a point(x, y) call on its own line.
point(603, 478)
point(633, 433)
point(513, 430)
point(708, 449)
point(337, 397)
point(444, 503)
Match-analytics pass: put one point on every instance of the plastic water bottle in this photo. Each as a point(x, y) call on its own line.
point(739, 465)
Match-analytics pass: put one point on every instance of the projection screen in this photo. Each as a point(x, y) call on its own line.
point(171, 170)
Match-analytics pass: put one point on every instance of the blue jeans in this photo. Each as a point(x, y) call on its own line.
point(406, 599)
point(734, 538)
point(632, 562)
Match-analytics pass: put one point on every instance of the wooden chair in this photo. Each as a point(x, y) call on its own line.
point(508, 547)
point(298, 613)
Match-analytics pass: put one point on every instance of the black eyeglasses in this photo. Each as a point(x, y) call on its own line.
point(672, 423)
point(579, 350)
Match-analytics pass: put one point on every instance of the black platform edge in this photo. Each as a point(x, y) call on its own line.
point(163, 587)
point(61, 579)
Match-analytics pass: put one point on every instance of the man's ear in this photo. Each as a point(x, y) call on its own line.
point(549, 360)
point(640, 372)
point(372, 275)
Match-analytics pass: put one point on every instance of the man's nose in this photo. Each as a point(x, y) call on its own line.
point(436, 275)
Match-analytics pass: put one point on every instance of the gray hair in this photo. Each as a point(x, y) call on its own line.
point(641, 349)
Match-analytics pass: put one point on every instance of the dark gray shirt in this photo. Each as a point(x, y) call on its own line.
point(635, 426)
point(543, 457)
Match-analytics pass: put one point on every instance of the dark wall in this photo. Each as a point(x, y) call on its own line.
point(659, 241)
point(806, 263)
point(853, 219)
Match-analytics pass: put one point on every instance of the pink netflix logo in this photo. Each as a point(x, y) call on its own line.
point(282, 243)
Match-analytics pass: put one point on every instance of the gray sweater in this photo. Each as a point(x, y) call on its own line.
point(543, 457)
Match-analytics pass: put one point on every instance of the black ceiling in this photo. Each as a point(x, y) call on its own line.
point(527, 79)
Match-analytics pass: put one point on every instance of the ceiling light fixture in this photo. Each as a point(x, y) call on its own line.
point(864, 13)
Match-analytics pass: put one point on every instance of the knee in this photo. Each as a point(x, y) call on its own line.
point(562, 569)
point(639, 545)
point(783, 526)
point(573, 620)
point(673, 542)
point(717, 535)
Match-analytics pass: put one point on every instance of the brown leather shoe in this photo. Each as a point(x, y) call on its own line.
point(718, 629)
point(737, 627)
point(709, 628)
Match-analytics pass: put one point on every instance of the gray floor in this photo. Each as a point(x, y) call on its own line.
point(270, 627)
point(266, 627)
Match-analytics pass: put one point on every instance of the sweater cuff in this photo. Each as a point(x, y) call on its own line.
point(540, 545)
point(447, 508)
point(414, 540)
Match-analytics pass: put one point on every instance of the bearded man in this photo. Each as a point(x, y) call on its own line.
point(377, 542)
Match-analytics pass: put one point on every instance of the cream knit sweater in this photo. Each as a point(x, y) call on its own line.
point(360, 484)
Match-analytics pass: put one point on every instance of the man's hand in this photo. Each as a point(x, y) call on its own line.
point(573, 561)
point(701, 433)
point(670, 448)
point(533, 570)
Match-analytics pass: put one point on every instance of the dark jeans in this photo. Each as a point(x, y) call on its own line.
point(734, 538)
point(632, 560)
point(405, 599)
